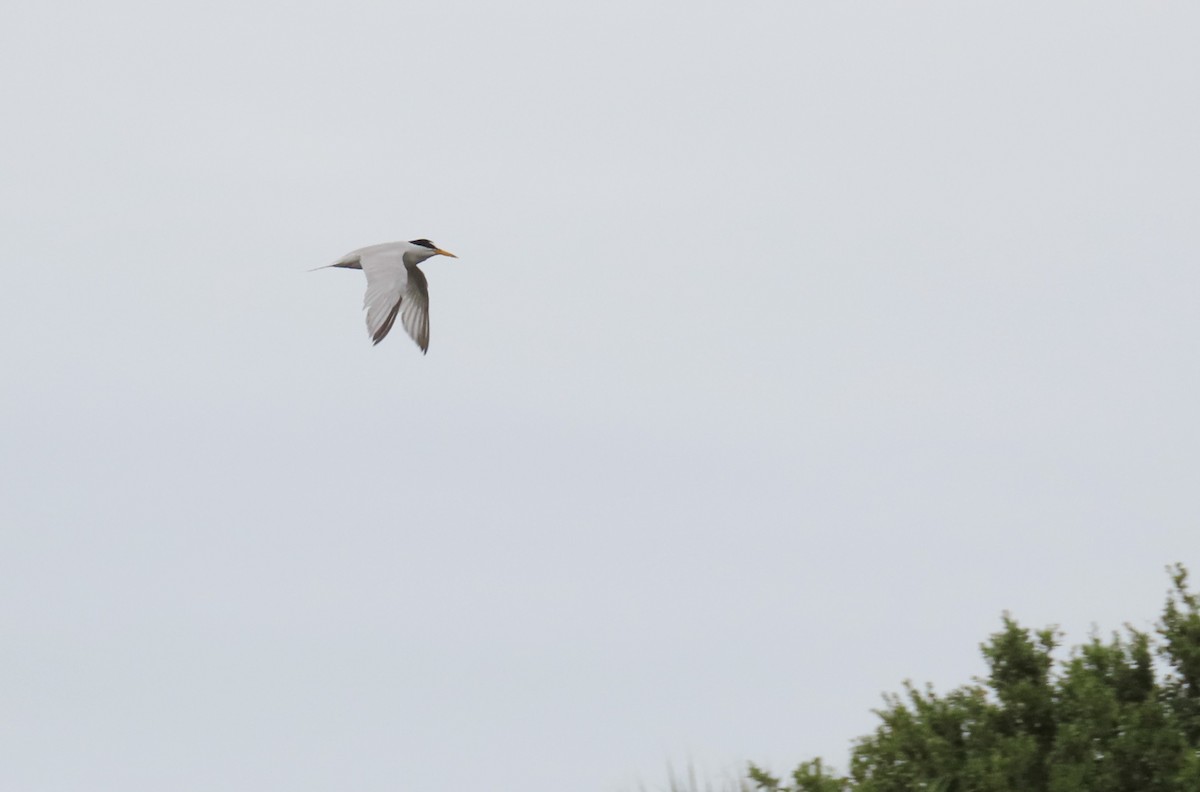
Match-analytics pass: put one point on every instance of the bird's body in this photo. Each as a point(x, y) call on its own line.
point(395, 286)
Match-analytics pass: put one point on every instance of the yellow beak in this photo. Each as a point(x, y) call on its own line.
point(441, 252)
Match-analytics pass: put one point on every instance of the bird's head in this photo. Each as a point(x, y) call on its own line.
point(432, 249)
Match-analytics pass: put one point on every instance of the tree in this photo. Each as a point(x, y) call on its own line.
point(1107, 718)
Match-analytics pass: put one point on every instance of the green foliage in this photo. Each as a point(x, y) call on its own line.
point(1107, 718)
point(1180, 631)
point(808, 777)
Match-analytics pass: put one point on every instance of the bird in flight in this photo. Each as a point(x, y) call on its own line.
point(395, 286)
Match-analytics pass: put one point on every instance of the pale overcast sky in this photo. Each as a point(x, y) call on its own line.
point(789, 344)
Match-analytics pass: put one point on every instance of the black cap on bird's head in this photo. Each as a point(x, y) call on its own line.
point(425, 243)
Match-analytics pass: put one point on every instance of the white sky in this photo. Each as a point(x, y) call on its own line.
point(790, 343)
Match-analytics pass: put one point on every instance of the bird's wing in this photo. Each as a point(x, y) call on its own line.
point(414, 311)
point(392, 290)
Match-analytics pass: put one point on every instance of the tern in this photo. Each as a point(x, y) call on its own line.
point(395, 286)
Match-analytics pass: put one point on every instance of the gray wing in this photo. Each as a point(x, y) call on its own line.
point(393, 289)
point(414, 308)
